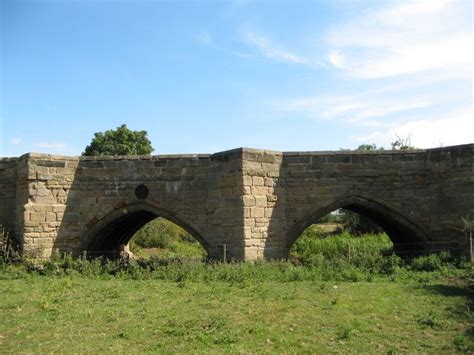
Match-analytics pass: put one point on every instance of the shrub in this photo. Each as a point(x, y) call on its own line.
point(172, 239)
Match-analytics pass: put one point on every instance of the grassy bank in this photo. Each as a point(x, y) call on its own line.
point(334, 294)
point(78, 313)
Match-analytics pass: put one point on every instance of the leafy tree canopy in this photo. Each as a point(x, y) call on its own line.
point(368, 147)
point(121, 141)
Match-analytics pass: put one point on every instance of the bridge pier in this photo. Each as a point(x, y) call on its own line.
point(255, 202)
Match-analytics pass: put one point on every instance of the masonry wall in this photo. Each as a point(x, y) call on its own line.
point(8, 186)
point(255, 202)
point(49, 182)
point(451, 187)
point(395, 180)
point(68, 196)
point(264, 196)
point(420, 195)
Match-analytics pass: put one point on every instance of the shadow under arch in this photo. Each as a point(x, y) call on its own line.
point(118, 226)
point(401, 229)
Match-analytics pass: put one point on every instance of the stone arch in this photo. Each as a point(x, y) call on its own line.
point(400, 228)
point(118, 225)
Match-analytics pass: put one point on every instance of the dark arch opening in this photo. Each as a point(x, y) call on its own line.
point(404, 233)
point(107, 236)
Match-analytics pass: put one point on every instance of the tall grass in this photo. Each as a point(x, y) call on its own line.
point(314, 256)
point(318, 268)
point(341, 245)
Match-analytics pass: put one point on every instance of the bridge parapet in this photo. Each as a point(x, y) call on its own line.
point(256, 202)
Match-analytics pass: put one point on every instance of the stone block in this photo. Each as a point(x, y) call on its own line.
point(51, 163)
point(246, 212)
point(271, 167)
point(256, 212)
point(247, 180)
point(269, 182)
point(37, 216)
point(259, 190)
point(257, 181)
point(273, 174)
point(261, 201)
point(41, 208)
point(298, 159)
point(268, 212)
point(50, 217)
point(248, 201)
point(44, 177)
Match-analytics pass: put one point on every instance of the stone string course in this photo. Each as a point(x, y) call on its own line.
point(256, 202)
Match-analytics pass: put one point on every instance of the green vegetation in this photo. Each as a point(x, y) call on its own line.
point(337, 293)
point(402, 143)
point(351, 222)
point(121, 141)
point(183, 306)
point(371, 147)
point(311, 246)
point(163, 238)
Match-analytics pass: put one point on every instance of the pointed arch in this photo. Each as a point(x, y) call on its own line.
point(399, 227)
point(118, 225)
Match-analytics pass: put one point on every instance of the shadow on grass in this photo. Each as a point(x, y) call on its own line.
point(451, 290)
point(464, 312)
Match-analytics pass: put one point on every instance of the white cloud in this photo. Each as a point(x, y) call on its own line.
point(408, 65)
point(453, 128)
point(363, 109)
point(271, 50)
point(405, 38)
point(15, 141)
point(337, 59)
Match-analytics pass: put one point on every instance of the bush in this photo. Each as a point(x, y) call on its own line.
point(172, 239)
point(432, 262)
point(311, 258)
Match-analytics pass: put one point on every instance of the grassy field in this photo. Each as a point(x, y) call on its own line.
point(322, 300)
point(84, 314)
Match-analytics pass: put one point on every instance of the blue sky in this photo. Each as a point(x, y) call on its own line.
point(205, 76)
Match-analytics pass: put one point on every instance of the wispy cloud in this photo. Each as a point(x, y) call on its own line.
point(205, 38)
point(405, 38)
point(269, 49)
point(15, 141)
point(418, 55)
point(363, 109)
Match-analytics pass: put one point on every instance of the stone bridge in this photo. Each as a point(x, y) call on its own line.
point(255, 202)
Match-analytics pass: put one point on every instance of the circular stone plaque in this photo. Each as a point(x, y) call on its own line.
point(141, 191)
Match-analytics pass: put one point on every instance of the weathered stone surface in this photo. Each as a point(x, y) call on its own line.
point(256, 202)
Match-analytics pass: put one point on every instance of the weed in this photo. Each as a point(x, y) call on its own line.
point(431, 320)
point(344, 333)
point(463, 343)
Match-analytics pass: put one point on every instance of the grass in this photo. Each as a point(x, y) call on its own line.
point(314, 241)
point(322, 300)
point(165, 239)
point(79, 313)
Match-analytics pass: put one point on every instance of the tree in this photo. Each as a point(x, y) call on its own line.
point(367, 147)
point(402, 143)
point(358, 224)
point(121, 141)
